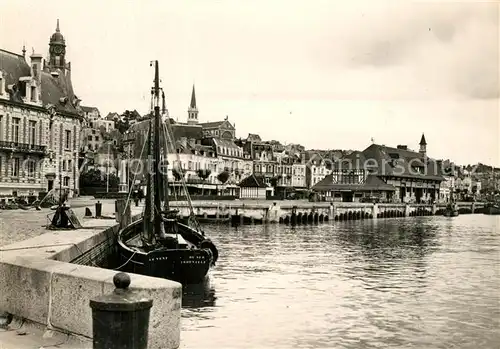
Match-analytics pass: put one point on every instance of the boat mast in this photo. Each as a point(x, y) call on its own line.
point(148, 209)
point(157, 177)
point(165, 155)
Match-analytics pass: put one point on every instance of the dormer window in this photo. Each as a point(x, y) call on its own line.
point(33, 94)
point(22, 88)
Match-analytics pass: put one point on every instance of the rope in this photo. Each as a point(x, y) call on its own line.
point(135, 174)
point(184, 186)
point(124, 264)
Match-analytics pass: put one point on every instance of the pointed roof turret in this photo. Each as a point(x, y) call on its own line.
point(57, 37)
point(422, 140)
point(193, 99)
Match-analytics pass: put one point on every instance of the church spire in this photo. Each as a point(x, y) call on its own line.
point(193, 99)
point(193, 110)
point(57, 26)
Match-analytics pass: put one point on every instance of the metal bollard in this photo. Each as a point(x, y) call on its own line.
point(120, 320)
point(98, 209)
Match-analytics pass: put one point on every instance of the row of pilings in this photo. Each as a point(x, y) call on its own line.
point(296, 218)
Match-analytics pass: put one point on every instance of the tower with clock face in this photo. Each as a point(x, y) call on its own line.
point(57, 50)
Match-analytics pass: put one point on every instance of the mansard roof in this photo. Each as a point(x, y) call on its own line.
point(55, 90)
point(372, 182)
point(387, 161)
point(13, 66)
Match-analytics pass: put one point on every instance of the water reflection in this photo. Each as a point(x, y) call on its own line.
point(198, 295)
point(398, 238)
point(422, 282)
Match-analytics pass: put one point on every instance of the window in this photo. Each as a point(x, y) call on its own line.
point(66, 181)
point(31, 168)
point(33, 93)
point(15, 167)
point(68, 139)
point(69, 165)
point(97, 138)
point(15, 129)
point(89, 138)
point(1, 124)
point(31, 132)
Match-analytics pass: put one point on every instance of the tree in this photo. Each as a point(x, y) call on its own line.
point(91, 178)
point(123, 123)
point(223, 177)
point(113, 181)
point(203, 174)
point(274, 180)
point(94, 180)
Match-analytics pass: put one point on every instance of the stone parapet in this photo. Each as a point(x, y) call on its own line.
point(38, 284)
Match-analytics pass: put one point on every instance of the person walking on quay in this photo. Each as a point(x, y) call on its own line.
point(140, 195)
point(135, 197)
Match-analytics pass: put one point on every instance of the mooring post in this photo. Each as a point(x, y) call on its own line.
point(123, 213)
point(375, 210)
point(98, 209)
point(120, 320)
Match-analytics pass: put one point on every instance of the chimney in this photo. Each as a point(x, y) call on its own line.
point(36, 65)
point(403, 147)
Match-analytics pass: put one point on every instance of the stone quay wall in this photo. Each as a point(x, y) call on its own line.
point(241, 212)
point(38, 283)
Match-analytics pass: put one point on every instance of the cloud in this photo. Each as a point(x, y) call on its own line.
point(451, 49)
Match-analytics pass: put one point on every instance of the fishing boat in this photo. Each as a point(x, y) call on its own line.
point(159, 244)
point(451, 210)
point(492, 208)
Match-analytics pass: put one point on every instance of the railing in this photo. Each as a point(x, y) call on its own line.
point(22, 147)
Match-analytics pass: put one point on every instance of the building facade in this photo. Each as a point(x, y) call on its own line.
point(385, 174)
point(40, 120)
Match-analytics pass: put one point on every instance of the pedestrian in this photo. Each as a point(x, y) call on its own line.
point(140, 195)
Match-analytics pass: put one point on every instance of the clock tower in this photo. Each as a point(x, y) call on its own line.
point(57, 50)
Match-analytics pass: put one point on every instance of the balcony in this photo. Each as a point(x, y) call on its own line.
point(17, 147)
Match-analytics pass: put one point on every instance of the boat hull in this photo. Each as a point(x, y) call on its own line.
point(450, 213)
point(491, 210)
point(186, 265)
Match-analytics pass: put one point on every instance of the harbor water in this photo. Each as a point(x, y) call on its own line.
point(420, 282)
point(417, 282)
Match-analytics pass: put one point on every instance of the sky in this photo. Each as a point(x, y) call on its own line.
point(327, 74)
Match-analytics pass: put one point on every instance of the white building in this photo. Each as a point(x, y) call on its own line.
point(40, 120)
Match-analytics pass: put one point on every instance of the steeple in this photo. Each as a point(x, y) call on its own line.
point(192, 110)
point(423, 145)
point(193, 99)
